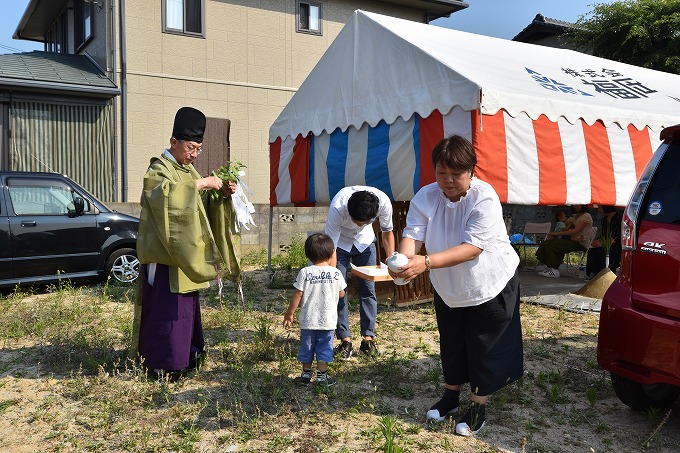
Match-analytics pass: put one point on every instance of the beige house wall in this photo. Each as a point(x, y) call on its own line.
point(246, 69)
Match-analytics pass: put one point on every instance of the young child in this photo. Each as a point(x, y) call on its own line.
point(317, 290)
point(560, 221)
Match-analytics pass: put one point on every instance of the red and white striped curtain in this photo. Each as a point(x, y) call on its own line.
point(530, 162)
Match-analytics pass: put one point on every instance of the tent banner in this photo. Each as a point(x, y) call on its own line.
point(529, 162)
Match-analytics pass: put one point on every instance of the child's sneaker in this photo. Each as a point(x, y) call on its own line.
point(343, 350)
point(304, 379)
point(324, 379)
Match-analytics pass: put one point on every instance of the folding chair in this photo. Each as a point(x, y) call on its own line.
point(532, 236)
point(576, 269)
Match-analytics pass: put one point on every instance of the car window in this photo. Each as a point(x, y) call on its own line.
point(661, 200)
point(31, 196)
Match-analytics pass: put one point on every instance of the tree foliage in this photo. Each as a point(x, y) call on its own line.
point(640, 32)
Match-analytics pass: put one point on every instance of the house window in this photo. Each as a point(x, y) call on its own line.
point(82, 22)
point(186, 17)
point(56, 37)
point(309, 18)
point(87, 22)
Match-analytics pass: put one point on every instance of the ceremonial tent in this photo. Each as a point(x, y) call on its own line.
point(550, 126)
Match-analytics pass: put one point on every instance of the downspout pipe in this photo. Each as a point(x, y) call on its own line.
point(123, 105)
point(269, 245)
point(114, 76)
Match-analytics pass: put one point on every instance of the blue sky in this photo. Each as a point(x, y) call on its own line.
point(12, 10)
point(506, 18)
point(499, 18)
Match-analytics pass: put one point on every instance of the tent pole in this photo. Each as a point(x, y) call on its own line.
point(269, 246)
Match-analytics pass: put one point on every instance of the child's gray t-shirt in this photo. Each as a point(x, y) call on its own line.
point(320, 286)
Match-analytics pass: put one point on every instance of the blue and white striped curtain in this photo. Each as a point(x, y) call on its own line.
point(76, 140)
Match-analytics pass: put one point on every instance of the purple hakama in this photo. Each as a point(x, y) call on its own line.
point(170, 330)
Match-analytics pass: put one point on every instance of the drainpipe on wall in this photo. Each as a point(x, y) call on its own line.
point(115, 100)
point(4, 137)
point(123, 105)
point(269, 246)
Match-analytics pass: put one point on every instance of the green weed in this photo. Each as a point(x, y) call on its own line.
point(5, 404)
point(390, 430)
point(591, 395)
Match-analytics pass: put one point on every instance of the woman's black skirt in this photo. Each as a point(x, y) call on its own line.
point(482, 344)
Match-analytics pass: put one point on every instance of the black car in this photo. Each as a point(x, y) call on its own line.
point(52, 229)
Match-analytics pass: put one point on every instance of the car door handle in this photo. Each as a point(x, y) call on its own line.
point(28, 223)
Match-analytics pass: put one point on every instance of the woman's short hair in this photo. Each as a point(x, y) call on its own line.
point(363, 206)
point(455, 152)
point(319, 247)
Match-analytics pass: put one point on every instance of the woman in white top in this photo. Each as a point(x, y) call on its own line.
point(473, 269)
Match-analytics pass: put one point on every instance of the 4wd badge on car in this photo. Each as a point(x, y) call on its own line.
point(653, 247)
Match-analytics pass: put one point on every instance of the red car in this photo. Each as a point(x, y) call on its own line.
point(639, 335)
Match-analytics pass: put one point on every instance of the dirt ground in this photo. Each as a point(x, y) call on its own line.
point(564, 403)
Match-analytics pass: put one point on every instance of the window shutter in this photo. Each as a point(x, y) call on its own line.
point(215, 146)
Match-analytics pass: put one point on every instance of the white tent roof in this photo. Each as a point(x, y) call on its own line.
point(382, 68)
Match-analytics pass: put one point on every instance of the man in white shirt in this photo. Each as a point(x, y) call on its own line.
point(350, 224)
